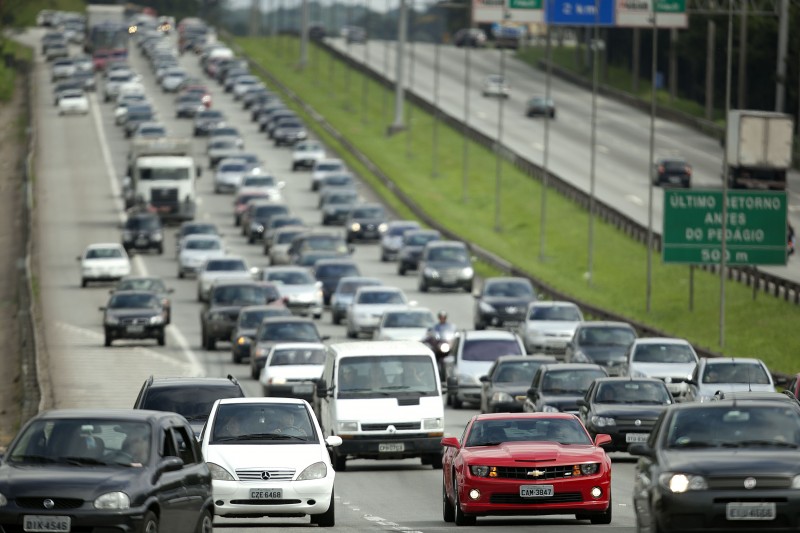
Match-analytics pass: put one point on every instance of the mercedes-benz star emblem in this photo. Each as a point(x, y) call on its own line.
point(749, 483)
point(49, 504)
point(265, 475)
point(637, 422)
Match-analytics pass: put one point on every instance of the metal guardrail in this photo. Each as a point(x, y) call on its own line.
point(630, 227)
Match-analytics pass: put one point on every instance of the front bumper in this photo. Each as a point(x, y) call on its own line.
point(135, 332)
point(142, 242)
point(232, 498)
point(84, 518)
point(547, 345)
point(298, 307)
point(448, 282)
point(369, 446)
point(501, 317)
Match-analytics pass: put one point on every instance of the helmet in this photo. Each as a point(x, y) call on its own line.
point(442, 314)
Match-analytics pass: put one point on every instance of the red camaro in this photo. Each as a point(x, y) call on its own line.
point(526, 464)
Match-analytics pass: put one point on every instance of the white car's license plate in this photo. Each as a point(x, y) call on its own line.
point(750, 511)
point(637, 437)
point(135, 329)
point(40, 523)
point(536, 491)
point(391, 447)
point(303, 388)
point(266, 494)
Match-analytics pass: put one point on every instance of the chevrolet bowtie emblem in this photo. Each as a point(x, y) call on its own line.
point(535, 473)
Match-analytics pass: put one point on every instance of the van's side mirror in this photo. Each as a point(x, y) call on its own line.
point(322, 389)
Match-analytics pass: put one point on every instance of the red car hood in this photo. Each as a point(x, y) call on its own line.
point(539, 452)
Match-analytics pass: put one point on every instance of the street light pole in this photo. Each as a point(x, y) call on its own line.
point(365, 78)
point(545, 171)
point(304, 34)
point(465, 137)
point(402, 30)
point(653, 74)
point(593, 142)
point(410, 108)
point(723, 247)
point(435, 151)
point(498, 172)
point(386, 70)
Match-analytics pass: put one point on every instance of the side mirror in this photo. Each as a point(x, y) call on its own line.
point(170, 464)
point(325, 337)
point(333, 441)
point(322, 389)
point(602, 439)
point(199, 171)
point(318, 284)
point(582, 402)
point(450, 442)
point(101, 308)
point(640, 449)
point(484, 379)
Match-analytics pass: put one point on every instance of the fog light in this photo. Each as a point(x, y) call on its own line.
point(596, 492)
point(474, 494)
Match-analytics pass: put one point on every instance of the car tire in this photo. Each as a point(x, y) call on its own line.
point(603, 518)
point(254, 372)
point(433, 459)
point(401, 269)
point(317, 316)
point(351, 334)
point(150, 523)
point(160, 339)
point(335, 319)
point(423, 287)
point(459, 517)
point(480, 325)
point(160, 249)
point(181, 275)
point(448, 511)
point(455, 402)
point(328, 518)
point(339, 462)
point(209, 343)
point(294, 167)
point(108, 339)
point(236, 359)
point(84, 282)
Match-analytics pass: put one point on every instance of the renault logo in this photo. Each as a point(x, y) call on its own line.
point(749, 483)
point(535, 473)
point(391, 429)
point(49, 504)
point(265, 475)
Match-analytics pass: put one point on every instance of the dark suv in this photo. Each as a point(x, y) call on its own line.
point(190, 397)
point(105, 470)
point(446, 265)
point(225, 300)
point(143, 231)
point(673, 171)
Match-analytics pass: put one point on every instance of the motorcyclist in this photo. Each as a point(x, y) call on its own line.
point(440, 337)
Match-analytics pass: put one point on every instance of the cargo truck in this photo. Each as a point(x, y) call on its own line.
point(758, 149)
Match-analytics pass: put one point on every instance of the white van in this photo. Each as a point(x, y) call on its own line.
point(384, 399)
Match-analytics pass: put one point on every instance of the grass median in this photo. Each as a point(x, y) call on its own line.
point(756, 327)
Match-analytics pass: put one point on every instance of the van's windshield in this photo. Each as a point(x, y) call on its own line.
point(386, 376)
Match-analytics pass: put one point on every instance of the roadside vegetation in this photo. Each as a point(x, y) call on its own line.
point(755, 326)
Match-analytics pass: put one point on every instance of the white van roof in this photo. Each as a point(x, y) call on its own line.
point(372, 348)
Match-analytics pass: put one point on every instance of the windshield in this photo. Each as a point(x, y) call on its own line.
point(286, 237)
point(195, 229)
point(738, 426)
point(409, 319)
point(386, 375)
point(328, 167)
point(232, 167)
point(570, 382)
point(340, 198)
point(559, 313)
point(232, 265)
point(368, 212)
point(509, 289)
point(633, 392)
point(252, 319)
point(144, 284)
point(104, 253)
point(266, 211)
point(397, 231)
point(259, 181)
point(732, 372)
point(297, 356)
point(381, 297)
point(516, 372)
point(194, 403)
point(223, 144)
point(210, 115)
point(350, 287)
point(337, 180)
point(448, 255)
point(606, 336)
point(489, 349)
point(335, 244)
point(263, 423)
point(203, 244)
point(561, 430)
point(133, 301)
point(420, 239)
point(664, 353)
point(336, 271)
point(83, 443)
point(291, 277)
point(289, 331)
point(163, 174)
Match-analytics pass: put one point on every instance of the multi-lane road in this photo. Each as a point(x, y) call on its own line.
point(79, 164)
point(622, 149)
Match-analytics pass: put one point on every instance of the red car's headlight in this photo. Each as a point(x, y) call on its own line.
point(483, 471)
point(590, 469)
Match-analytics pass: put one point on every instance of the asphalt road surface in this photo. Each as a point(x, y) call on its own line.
point(80, 162)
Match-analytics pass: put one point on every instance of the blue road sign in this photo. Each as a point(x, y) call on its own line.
point(580, 12)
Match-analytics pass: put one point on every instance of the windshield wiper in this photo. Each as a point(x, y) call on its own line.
point(747, 443)
point(197, 417)
point(497, 443)
point(694, 444)
point(81, 461)
point(33, 458)
point(268, 436)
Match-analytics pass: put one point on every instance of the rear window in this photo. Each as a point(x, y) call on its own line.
point(489, 349)
point(192, 401)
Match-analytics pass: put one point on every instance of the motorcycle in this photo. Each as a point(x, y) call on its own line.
point(440, 341)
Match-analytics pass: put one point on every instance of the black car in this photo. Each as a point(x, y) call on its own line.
point(330, 271)
point(539, 106)
point(365, 222)
point(143, 231)
point(275, 120)
point(558, 387)
point(310, 258)
point(191, 397)
point(727, 465)
point(278, 330)
point(150, 284)
point(255, 94)
point(206, 120)
point(245, 330)
point(504, 387)
point(625, 408)
point(258, 216)
point(225, 300)
point(392, 238)
point(674, 171)
point(338, 181)
point(288, 131)
point(105, 470)
point(134, 315)
point(411, 250)
point(137, 114)
point(270, 110)
point(445, 265)
point(316, 31)
point(502, 302)
point(603, 343)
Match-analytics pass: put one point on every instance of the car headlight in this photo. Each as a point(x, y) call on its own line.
point(590, 469)
point(158, 236)
point(3, 500)
point(603, 421)
point(680, 483)
point(156, 320)
point(485, 308)
point(277, 380)
point(218, 473)
point(467, 272)
point(549, 409)
point(432, 423)
point(348, 426)
point(355, 226)
point(301, 135)
point(483, 471)
point(261, 352)
point(501, 397)
point(795, 485)
point(580, 357)
point(315, 471)
point(382, 227)
point(430, 272)
point(241, 341)
point(467, 379)
point(444, 347)
point(112, 321)
point(112, 501)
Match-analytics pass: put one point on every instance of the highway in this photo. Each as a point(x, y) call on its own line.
point(622, 133)
point(79, 166)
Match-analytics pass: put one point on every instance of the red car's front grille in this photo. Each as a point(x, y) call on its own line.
point(558, 497)
point(535, 472)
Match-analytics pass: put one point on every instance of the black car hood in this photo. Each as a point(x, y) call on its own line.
point(605, 353)
point(638, 410)
point(230, 309)
point(84, 482)
point(730, 461)
point(504, 301)
point(364, 221)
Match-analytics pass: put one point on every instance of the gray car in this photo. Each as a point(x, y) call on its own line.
point(445, 265)
point(277, 330)
point(342, 296)
point(134, 315)
point(602, 343)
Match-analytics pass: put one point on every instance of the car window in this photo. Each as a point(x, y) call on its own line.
point(183, 443)
point(663, 353)
point(293, 277)
point(420, 239)
point(144, 284)
point(133, 301)
point(448, 255)
point(203, 244)
point(337, 271)
point(232, 167)
point(569, 381)
point(734, 372)
point(263, 423)
point(509, 289)
point(606, 336)
point(735, 426)
point(515, 372)
point(368, 212)
point(239, 295)
point(253, 319)
point(289, 331)
point(298, 356)
point(555, 313)
point(287, 236)
point(381, 297)
point(104, 253)
point(632, 392)
point(408, 320)
point(561, 430)
point(226, 265)
point(378, 376)
point(489, 349)
point(193, 403)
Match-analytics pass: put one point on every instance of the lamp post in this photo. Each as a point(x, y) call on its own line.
point(435, 148)
point(653, 74)
point(593, 142)
point(399, 95)
point(545, 171)
point(498, 171)
point(365, 78)
point(465, 152)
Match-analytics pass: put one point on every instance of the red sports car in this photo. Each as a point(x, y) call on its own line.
point(526, 464)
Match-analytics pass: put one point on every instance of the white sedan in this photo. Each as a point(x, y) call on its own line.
point(306, 154)
point(227, 268)
point(548, 327)
point(104, 262)
point(496, 85)
point(268, 456)
point(405, 324)
point(73, 101)
point(196, 250)
point(368, 306)
point(298, 288)
point(292, 369)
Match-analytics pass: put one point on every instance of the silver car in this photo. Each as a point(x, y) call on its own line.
point(739, 374)
point(548, 327)
point(306, 154)
point(229, 174)
point(227, 268)
point(368, 306)
point(301, 292)
point(279, 249)
point(196, 250)
point(671, 360)
point(220, 148)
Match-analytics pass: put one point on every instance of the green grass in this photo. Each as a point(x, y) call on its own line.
point(753, 327)
point(8, 73)
point(25, 11)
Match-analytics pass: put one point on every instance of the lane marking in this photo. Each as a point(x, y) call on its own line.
point(634, 199)
point(138, 262)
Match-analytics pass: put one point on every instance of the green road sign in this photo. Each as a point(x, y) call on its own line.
point(670, 6)
point(755, 228)
point(526, 4)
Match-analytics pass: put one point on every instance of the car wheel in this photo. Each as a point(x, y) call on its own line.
point(603, 518)
point(160, 249)
point(480, 325)
point(328, 518)
point(150, 523)
point(236, 221)
point(434, 459)
point(294, 167)
point(339, 462)
point(423, 287)
point(401, 269)
point(160, 339)
point(254, 371)
point(236, 358)
point(383, 257)
point(335, 319)
point(250, 239)
point(83, 282)
point(456, 402)
point(181, 275)
point(351, 334)
point(108, 339)
point(317, 316)
point(459, 517)
point(448, 512)
point(209, 343)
